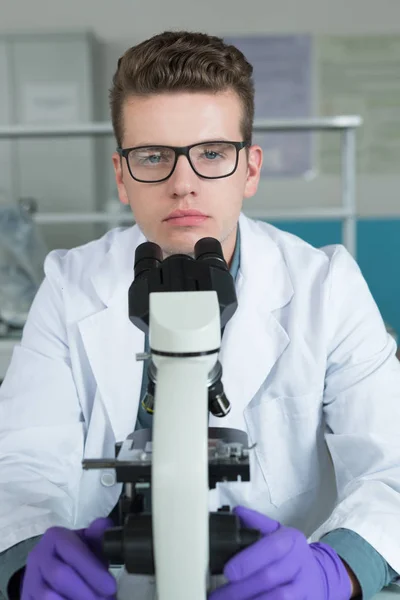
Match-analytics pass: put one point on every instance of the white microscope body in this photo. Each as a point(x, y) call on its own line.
point(182, 323)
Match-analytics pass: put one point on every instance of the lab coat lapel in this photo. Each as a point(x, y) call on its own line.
point(253, 339)
point(111, 341)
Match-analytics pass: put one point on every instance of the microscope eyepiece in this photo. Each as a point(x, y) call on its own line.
point(210, 250)
point(147, 256)
point(181, 273)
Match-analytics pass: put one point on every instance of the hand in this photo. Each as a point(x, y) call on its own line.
point(282, 566)
point(69, 565)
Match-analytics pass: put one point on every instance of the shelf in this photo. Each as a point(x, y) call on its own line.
point(339, 123)
point(91, 217)
point(104, 217)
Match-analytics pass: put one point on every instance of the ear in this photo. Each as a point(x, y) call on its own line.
point(119, 177)
point(254, 163)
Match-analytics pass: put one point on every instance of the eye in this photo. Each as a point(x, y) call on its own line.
point(211, 154)
point(151, 156)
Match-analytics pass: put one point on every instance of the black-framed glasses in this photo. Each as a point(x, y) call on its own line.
point(210, 160)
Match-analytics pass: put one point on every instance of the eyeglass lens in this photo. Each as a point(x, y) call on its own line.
point(208, 160)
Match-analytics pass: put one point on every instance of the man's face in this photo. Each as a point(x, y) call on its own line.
point(182, 119)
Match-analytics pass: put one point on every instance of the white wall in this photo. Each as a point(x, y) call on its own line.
point(122, 23)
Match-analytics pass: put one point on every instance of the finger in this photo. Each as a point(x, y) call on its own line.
point(267, 551)
point(32, 579)
point(75, 553)
point(93, 536)
point(290, 591)
point(44, 592)
point(33, 584)
point(257, 584)
point(96, 529)
point(64, 580)
point(255, 520)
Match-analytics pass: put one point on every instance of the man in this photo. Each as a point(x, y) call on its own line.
point(308, 366)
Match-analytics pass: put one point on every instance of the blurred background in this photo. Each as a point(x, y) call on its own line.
point(326, 178)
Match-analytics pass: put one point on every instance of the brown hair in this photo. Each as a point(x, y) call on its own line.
point(182, 61)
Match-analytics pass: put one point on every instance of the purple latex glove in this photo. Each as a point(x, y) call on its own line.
point(69, 565)
point(282, 565)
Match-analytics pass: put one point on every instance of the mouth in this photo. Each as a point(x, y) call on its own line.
point(185, 218)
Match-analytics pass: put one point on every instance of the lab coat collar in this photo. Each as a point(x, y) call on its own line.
point(111, 341)
point(253, 339)
point(116, 270)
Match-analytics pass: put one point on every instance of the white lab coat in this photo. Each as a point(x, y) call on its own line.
point(308, 367)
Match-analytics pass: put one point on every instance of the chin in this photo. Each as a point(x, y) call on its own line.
point(169, 249)
point(183, 243)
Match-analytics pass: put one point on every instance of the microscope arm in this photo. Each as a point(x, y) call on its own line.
point(182, 323)
point(180, 480)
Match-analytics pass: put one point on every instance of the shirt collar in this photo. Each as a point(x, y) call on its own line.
point(236, 256)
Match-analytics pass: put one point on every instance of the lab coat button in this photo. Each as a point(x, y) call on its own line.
point(108, 478)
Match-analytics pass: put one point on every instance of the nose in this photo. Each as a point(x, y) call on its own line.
point(183, 181)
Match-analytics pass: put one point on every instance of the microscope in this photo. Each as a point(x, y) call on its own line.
point(183, 303)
